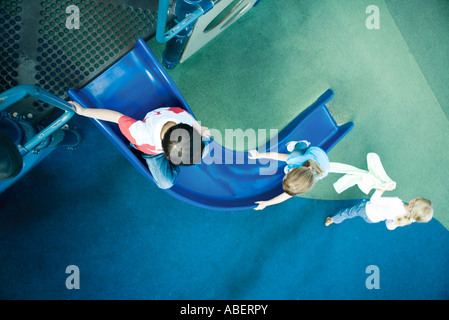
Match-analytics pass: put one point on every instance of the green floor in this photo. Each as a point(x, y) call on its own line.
point(89, 207)
point(290, 52)
point(427, 35)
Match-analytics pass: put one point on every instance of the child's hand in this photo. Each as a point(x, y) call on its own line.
point(78, 108)
point(261, 205)
point(253, 154)
point(205, 132)
point(328, 221)
point(391, 186)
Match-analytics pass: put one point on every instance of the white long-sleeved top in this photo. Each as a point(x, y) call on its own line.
point(375, 177)
point(384, 208)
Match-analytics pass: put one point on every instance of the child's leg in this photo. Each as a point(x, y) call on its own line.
point(357, 210)
point(164, 172)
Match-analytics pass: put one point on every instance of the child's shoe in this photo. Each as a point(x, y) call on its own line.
point(291, 145)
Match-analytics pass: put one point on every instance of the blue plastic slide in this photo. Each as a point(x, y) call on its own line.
point(137, 84)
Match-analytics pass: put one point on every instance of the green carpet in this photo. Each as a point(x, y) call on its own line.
point(427, 36)
point(290, 52)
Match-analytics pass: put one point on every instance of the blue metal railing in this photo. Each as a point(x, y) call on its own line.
point(187, 10)
point(14, 95)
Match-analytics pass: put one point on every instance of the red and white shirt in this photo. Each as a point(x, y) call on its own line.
point(145, 135)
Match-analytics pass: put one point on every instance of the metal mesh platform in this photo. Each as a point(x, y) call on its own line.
point(37, 47)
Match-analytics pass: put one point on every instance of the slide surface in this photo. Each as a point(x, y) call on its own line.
point(226, 179)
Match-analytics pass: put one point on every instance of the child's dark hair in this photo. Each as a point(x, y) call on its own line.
point(182, 145)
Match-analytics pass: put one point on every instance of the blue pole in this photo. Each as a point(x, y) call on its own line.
point(196, 10)
point(161, 35)
point(187, 12)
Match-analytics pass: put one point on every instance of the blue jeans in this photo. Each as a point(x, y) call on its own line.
point(163, 171)
point(358, 210)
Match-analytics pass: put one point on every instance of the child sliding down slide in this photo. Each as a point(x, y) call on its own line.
point(167, 138)
point(305, 165)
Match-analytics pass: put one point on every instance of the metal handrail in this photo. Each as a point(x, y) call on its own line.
point(203, 6)
point(14, 95)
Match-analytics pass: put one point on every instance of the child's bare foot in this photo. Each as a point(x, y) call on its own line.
point(328, 221)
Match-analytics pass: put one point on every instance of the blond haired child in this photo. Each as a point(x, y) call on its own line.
point(392, 210)
point(305, 165)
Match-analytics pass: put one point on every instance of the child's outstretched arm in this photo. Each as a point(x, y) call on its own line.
point(100, 114)
point(254, 154)
point(378, 193)
point(203, 131)
point(280, 198)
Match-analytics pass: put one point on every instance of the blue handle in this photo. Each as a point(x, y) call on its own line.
point(202, 7)
point(14, 95)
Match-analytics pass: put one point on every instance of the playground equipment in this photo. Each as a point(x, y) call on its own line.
point(137, 84)
point(23, 145)
point(214, 22)
point(186, 12)
point(196, 23)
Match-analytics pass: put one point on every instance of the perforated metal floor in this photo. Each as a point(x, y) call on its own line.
point(37, 47)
